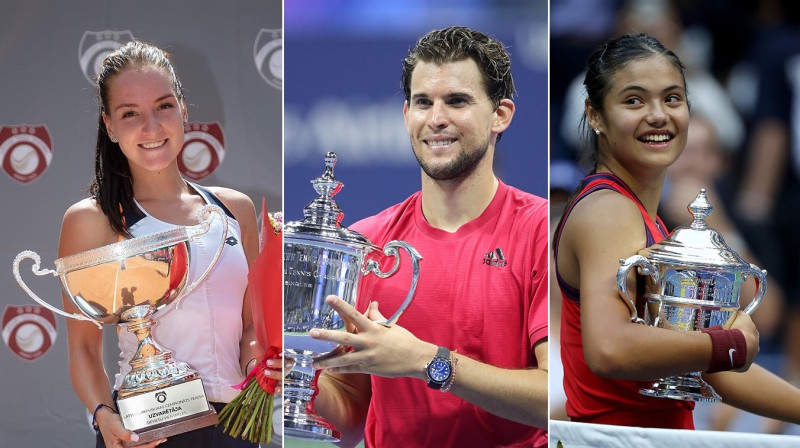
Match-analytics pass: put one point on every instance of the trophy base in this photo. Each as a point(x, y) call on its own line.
point(299, 391)
point(310, 428)
point(166, 411)
point(690, 387)
point(172, 428)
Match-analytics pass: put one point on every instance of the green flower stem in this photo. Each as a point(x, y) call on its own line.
point(249, 415)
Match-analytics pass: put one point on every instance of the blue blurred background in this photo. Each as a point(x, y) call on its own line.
point(342, 93)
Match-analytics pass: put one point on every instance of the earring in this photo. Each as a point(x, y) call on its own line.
point(597, 131)
point(113, 139)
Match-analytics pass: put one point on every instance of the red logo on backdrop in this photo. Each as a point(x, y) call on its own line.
point(95, 46)
point(203, 150)
point(29, 330)
point(25, 151)
point(268, 56)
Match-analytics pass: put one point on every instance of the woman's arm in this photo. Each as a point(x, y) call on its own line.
point(601, 230)
point(85, 227)
point(243, 209)
point(758, 391)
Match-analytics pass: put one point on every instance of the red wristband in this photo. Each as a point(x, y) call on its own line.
point(728, 349)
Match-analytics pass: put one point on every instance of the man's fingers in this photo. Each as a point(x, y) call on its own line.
point(349, 362)
point(335, 336)
point(340, 349)
point(347, 312)
point(373, 313)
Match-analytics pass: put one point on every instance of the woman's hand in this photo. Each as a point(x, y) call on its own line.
point(274, 369)
point(114, 433)
point(742, 322)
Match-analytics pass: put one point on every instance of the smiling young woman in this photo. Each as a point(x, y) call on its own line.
point(138, 190)
point(146, 118)
point(642, 124)
point(637, 114)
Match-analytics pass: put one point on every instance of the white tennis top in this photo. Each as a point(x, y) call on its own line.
point(205, 328)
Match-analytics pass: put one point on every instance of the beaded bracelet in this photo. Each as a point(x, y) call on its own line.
point(453, 363)
point(94, 414)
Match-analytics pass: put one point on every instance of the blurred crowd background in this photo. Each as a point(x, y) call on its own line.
point(742, 62)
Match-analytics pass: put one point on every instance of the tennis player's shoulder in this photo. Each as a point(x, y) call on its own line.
point(85, 226)
point(86, 212)
point(606, 211)
point(239, 203)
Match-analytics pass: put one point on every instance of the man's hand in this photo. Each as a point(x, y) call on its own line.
point(388, 351)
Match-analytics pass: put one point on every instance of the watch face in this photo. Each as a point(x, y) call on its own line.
point(439, 371)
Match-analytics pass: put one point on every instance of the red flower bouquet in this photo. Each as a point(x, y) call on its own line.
point(249, 415)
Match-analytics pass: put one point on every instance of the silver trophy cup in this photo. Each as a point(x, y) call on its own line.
point(692, 282)
point(129, 283)
point(321, 258)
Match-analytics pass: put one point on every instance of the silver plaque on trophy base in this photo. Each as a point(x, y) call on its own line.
point(692, 281)
point(129, 283)
point(322, 258)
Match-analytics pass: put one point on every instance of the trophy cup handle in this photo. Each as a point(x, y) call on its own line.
point(761, 288)
point(36, 268)
point(205, 224)
point(391, 250)
point(645, 268)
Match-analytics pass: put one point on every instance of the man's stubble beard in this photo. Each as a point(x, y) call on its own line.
point(464, 164)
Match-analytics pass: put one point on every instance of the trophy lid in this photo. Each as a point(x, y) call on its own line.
point(323, 216)
point(696, 245)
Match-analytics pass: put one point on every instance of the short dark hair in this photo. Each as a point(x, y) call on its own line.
point(457, 43)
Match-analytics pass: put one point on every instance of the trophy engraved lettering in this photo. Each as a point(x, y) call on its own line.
point(321, 258)
point(692, 282)
point(129, 283)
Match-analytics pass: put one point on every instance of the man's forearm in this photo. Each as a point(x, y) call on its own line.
point(517, 395)
point(343, 400)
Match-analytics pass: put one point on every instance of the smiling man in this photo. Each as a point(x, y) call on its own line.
point(467, 363)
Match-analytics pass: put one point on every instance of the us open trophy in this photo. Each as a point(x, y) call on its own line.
point(692, 282)
point(128, 283)
point(321, 258)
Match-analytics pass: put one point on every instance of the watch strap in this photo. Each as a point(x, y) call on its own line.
point(442, 354)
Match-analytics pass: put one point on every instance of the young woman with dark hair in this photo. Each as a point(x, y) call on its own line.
point(138, 190)
point(637, 117)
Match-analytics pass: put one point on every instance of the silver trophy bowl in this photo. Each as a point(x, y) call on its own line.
point(130, 283)
point(692, 281)
point(322, 258)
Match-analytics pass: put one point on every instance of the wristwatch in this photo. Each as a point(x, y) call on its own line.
point(440, 369)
